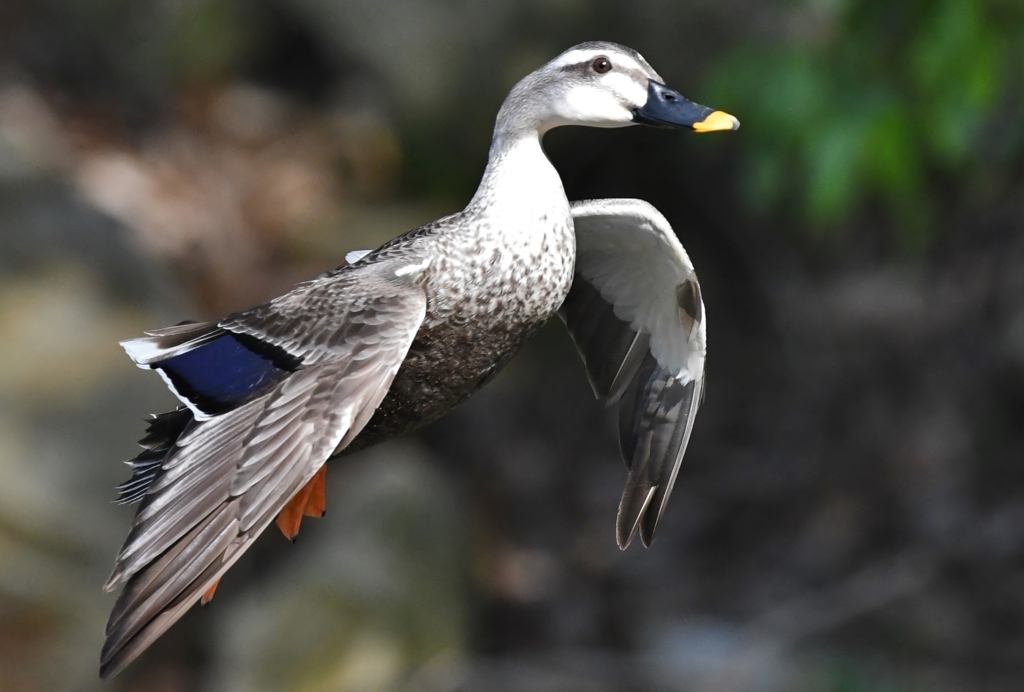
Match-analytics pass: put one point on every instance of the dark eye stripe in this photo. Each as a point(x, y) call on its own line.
point(580, 67)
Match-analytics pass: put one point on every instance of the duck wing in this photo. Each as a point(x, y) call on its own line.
point(274, 392)
point(636, 315)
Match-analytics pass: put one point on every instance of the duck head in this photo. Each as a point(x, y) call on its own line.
point(603, 84)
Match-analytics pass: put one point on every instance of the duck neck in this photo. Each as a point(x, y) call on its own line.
point(519, 179)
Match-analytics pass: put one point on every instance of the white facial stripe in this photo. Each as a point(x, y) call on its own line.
point(610, 98)
point(569, 91)
point(603, 100)
point(575, 57)
point(594, 104)
point(585, 103)
point(627, 88)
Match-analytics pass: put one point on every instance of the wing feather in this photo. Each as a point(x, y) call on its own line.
point(665, 408)
point(611, 349)
point(636, 314)
point(225, 480)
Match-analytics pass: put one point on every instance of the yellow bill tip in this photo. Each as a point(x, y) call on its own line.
point(718, 120)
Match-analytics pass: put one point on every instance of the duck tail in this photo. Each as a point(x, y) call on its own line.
point(163, 431)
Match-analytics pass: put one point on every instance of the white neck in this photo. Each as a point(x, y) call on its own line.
point(519, 181)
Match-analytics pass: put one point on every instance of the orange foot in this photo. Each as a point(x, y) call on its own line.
point(209, 592)
point(310, 501)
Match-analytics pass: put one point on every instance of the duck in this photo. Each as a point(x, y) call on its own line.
point(399, 335)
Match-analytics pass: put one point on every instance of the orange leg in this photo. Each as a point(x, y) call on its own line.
point(309, 501)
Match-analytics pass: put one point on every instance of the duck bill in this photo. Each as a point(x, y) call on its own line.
point(668, 108)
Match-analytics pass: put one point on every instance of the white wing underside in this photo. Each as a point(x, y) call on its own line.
point(636, 315)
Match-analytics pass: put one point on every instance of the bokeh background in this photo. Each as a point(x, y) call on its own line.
point(850, 516)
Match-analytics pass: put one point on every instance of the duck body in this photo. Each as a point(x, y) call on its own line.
point(403, 333)
point(494, 274)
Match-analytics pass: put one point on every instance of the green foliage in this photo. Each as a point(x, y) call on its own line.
point(874, 102)
point(162, 45)
point(207, 39)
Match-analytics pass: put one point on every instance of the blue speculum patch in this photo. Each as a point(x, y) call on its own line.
point(222, 374)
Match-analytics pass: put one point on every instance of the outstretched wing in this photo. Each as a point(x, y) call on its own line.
point(636, 315)
point(229, 474)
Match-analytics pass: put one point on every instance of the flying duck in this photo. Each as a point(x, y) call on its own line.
point(398, 336)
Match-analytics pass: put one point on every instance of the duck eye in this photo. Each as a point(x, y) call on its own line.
point(601, 65)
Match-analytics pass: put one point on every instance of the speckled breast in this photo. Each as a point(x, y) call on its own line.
point(484, 300)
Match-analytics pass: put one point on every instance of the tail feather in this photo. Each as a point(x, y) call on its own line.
point(163, 431)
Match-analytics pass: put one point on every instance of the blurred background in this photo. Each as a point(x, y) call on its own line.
point(850, 515)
